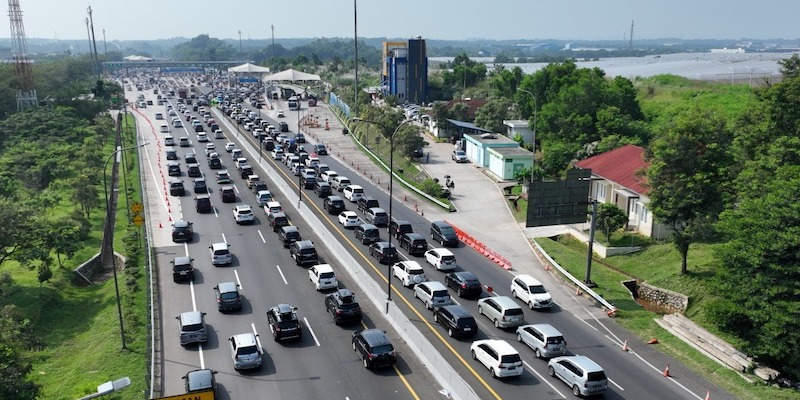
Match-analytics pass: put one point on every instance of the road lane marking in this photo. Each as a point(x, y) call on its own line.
point(238, 282)
point(281, 272)
point(311, 331)
point(543, 379)
point(405, 382)
point(199, 345)
point(225, 240)
point(262, 236)
point(620, 387)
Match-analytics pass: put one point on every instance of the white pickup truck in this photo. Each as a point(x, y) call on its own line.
point(409, 272)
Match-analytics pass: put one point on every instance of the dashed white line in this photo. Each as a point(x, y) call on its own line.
point(281, 272)
point(262, 236)
point(238, 282)
point(543, 379)
point(311, 331)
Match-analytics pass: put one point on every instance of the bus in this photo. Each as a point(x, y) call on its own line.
point(294, 104)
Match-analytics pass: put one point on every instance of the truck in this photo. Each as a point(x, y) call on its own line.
point(182, 93)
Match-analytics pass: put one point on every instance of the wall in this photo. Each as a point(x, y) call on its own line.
point(663, 298)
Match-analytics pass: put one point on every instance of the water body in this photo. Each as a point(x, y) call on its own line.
point(750, 68)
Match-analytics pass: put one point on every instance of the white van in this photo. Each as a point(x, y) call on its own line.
point(164, 129)
point(502, 310)
point(433, 294)
point(176, 123)
point(353, 193)
point(531, 292)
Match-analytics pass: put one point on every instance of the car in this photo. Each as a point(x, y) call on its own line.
point(409, 273)
point(182, 231)
point(432, 294)
point(328, 176)
point(243, 214)
point(200, 186)
point(184, 142)
point(284, 127)
point(531, 292)
point(320, 149)
point(218, 134)
point(322, 189)
point(252, 179)
point(223, 176)
point(353, 192)
point(465, 283)
point(173, 168)
point(499, 357)
point(201, 380)
point(193, 171)
point(192, 327)
point(281, 114)
point(220, 254)
point(283, 322)
point(323, 277)
point(273, 207)
point(172, 154)
point(580, 373)
point(259, 187)
point(227, 194)
point(333, 204)
point(456, 319)
point(444, 233)
point(299, 137)
point(384, 252)
point(374, 348)
point(303, 252)
point(543, 339)
point(459, 156)
point(214, 163)
point(228, 297)
point(263, 197)
point(159, 116)
point(340, 183)
point(277, 220)
point(367, 202)
point(182, 269)
point(441, 259)
point(343, 306)
point(414, 243)
point(288, 235)
point(202, 137)
point(230, 146)
point(502, 310)
point(210, 148)
point(367, 233)
point(202, 204)
point(176, 187)
point(376, 216)
point(399, 227)
point(349, 219)
point(246, 351)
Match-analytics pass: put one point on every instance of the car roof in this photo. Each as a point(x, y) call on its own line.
point(442, 251)
point(375, 337)
point(181, 223)
point(502, 301)
point(545, 329)
point(219, 245)
point(411, 264)
point(225, 287)
point(244, 339)
point(434, 285)
point(323, 268)
point(441, 224)
point(457, 310)
point(501, 346)
point(289, 228)
point(414, 236)
point(584, 362)
point(181, 260)
point(528, 280)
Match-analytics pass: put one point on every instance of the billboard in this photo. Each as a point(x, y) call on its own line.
point(559, 202)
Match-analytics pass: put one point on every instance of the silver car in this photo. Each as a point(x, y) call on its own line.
point(246, 351)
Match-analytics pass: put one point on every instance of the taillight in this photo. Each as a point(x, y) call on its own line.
point(463, 285)
point(370, 356)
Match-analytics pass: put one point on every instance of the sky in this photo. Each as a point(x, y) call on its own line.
point(431, 19)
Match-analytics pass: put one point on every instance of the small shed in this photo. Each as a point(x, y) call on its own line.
point(506, 161)
point(477, 146)
point(519, 127)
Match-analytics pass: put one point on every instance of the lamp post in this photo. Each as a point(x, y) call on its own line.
point(391, 189)
point(107, 229)
point(535, 111)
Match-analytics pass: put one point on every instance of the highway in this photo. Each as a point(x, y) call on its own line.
point(323, 361)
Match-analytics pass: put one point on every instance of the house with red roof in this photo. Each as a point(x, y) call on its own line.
point(618, 178)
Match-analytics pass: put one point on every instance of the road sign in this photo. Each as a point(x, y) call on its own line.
point(137, 207)
point(138, 220)
point(207, 395)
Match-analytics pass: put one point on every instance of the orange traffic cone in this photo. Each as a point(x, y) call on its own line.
point(625, 345)
point(708, 395)
point(666, 371)
point(652, 341)
point(578, 291)
point(159, 225)
point(170, 218)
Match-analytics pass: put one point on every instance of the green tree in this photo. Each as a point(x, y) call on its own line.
point(610, 218)
point(16, 335)
point(688, 177)
point(493, 113)
point(86, 194)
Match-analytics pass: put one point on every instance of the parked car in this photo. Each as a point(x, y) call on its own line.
point(303, 252)
point(182, 231)
point(384, 252)
point(202, 204)
point(343, 307)
point(459, 156)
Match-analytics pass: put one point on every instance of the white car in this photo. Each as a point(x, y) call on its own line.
point(322, 276)
point(309, 173)
point(459, 156)
point(349, 219)
point(243, 214)
point(498, 356)
point(312, 161)
point(277, 153)
point(263, 197)
point(328, 176)
point(230, 146)
point(353, 193)
point(273, 207)
point(441, 259)
point(409, 272)
point(281, 114)
point(530, 291)
point(202, 137)
point(433, 294)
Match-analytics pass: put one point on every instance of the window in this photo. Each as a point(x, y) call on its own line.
point(601, 191)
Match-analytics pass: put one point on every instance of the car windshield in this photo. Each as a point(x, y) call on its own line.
point(446, 230)
point(382, 349)
point(229, 296)
point(537, 289)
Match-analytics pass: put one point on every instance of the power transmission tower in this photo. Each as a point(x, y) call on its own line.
point(26, 95)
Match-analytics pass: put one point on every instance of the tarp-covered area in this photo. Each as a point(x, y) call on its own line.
point(292, 75)
point(249, 68)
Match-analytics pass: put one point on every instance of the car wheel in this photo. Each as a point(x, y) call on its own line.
point(450, 332)
point(513, 293)
point(473, 355)
point(480, 310)
point(435, 318)
point(428, 305)
point(415, 295)
point(530, 305)
point(575, 390)
point(494, 374)
point(537, 353)
point(366, 363)
point(551, 371)
point(519, 338)
point(460, 293)
point(496, 323)
point(275, 337)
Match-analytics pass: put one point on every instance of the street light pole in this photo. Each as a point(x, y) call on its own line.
point(391, 190)
point(535, 111)
point(107, 229)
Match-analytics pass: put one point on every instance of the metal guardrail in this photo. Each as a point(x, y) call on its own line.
point(542, 254)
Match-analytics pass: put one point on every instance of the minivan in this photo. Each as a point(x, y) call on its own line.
point(303, 252)
point(444, 233)
point(367, 233)
point(352, 192)
point(433, 294)
point(414, 243)
point(169, 141)
point(340, 183)
point(220, 254)
point(376, 216)
point(530, 291)
point(333, 204)
point(502, 310)
point(544, 339)
point(456, 319)
point(580, 373)
point(192, 327)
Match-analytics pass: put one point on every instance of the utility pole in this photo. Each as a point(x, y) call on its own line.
point(273, 45)
point(94, 43)
point(355, 42)
point(105, 45)
point(630, 39)
point(240, 42)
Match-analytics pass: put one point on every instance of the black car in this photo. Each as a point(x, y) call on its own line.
point(456, 319)
point(259, 186)
point(200, 186)
point(374, 348)
point(277, 221)
point(173, 168)
point(284, 323)
point(333, 204)
point(320, 149)
point(384, 252)
point(190, 158)
point(399, 227)
point(284, 127)
point(444, 233)
point(303, 252)
point(288, 235)
point(227, 194)
point(246, 171)
point(172, 154)
point(414, 243)
point(308, 182)
point(343, 307)
point(176, 187)
point(465, 283)
point(322, 189)
point(182, 269)
point(367, 202)
point(228, 297)
point(202, 204)
point(182, 231)
point(214, 163)
point(193, 170)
